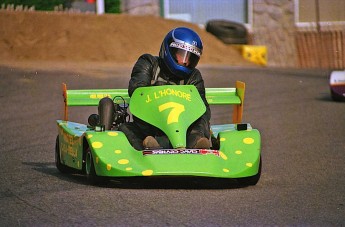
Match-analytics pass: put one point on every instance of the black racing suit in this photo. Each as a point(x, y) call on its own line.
point(151, 71)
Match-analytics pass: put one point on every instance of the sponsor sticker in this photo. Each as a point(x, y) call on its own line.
point(181, 151)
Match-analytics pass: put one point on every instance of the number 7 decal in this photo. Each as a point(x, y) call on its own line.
point(174, 114)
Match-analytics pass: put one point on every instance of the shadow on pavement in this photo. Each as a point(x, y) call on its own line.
point(168, 182)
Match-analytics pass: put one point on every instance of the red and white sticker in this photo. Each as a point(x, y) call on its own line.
point(181, 151)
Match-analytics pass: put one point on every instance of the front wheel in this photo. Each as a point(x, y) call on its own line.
point(90, 171)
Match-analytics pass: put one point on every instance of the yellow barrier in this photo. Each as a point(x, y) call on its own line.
point(254, 53)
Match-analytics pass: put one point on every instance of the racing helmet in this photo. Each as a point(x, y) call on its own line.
point(181, 50)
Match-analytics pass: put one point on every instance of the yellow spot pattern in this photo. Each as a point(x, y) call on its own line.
point(123, 161)
point(148, 172)
point(249, 164)
point(223, 156)
point(89, 136)
point(97, 145)
point(113, 133)
point(248, 140)
point(238, 152)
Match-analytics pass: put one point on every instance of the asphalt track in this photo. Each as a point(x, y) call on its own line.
point(303, 151)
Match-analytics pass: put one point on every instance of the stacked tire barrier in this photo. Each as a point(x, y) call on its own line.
point(228, 32)
point(236, 34)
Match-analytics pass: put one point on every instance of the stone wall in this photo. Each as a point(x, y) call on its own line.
point(274, 27)
point(141, 7)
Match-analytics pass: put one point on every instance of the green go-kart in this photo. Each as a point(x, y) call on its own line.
point(101, 154)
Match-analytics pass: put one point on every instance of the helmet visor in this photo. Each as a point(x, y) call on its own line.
point(185, 54)
point(184, 58)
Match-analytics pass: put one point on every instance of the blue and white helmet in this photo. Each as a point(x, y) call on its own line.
point(181, 50)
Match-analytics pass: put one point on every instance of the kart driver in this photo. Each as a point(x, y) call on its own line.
point(179, 55)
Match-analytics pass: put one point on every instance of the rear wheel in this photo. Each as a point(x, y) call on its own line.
point(253, 180)
point(336, 97)
point(61, 167)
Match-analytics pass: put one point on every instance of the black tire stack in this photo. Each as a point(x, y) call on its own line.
point(228, 32)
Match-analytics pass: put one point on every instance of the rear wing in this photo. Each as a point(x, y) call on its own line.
point(228, 96)
point(214, 96)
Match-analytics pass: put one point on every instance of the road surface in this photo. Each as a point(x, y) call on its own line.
point(303, 152)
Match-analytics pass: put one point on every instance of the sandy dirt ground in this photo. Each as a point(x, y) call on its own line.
point(79, 40)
